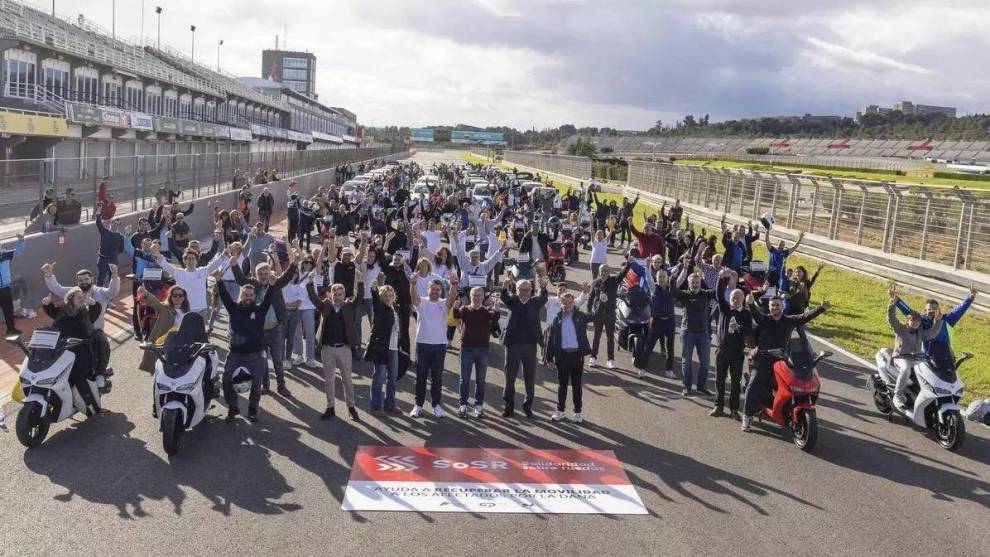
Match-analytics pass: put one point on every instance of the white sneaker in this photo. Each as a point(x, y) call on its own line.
point(438, 411)
point(592, 361)
point(610, 364)
point(288, 364)
point(669, 374)
point(479, 411)
point(642, 373)
point(556, 416)
point(416, 412)
point(747, 422)
point(312, 363)
point(578, 418)
point(298, 360)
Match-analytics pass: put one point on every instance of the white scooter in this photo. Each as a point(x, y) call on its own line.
point(181, 398)
point(933, 393)
point(48, 396)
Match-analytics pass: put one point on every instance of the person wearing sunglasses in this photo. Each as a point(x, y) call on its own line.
point(170, 314)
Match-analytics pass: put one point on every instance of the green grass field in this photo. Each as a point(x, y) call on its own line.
point(837, 173)
point(858, 319)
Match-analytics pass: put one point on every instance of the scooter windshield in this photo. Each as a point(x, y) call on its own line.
point(943, 361)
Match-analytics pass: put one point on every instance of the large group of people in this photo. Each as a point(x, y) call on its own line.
point(413, 248)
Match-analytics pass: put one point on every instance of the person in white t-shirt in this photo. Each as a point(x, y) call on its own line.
point(553, 304)
point(599, 252)
point(192, 278)
point(431, 342)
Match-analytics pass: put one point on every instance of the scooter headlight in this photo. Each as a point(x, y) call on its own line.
point(163, 387)
point(797, 390)
point(46, 382)
point(937, 390)
point(187, 387)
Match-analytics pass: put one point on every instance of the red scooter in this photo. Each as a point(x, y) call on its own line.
point(794, 390)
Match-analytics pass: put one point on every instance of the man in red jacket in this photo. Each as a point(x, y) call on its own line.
point(650, 243)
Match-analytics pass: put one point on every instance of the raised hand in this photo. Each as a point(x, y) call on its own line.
point(113, 270)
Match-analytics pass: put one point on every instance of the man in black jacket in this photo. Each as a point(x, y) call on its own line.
point(520, 338)
point(566, 347)
point(535, 243)
point(773, 331)
point(694, 332)
point(601, 306)
point(735, 324)
point(266, 206)
point(247, 339)
point(272, 338)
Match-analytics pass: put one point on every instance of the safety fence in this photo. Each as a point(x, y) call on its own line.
point(576, 167)
point(134, 181)
point(850, 163)
point(942, 225)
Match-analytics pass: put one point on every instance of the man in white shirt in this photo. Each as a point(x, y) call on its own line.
point(431, 342)
point(104, 295)
point(471, 263)
point(193, 278)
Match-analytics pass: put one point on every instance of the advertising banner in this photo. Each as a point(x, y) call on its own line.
point(114, 118)
point(421, 135)
point(29, 124)
point(433, 479)
point(142, 121)
point(84, 114)
point(164, 124)
point(240, 134)
point(459, 136)
point(188, 127)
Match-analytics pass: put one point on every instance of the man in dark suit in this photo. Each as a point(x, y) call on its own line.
point(520, 339)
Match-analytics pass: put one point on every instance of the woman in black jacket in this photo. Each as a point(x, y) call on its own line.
point(74, 318)
point(383, 348)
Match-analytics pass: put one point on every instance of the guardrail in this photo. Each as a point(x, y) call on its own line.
point(941, 225)
point(577, 167)
point(134, 180)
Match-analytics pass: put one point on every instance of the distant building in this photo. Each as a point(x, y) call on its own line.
point(909, 109)
point(294, 70)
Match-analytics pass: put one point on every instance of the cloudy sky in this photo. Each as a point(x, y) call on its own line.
point(620, 63)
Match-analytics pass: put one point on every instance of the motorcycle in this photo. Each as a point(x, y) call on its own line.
point(556, 271)
point(570, 248)
point(181, 389)
point(933, 392)
point(584, 235)
point(794, 390)
point(520, 267)
point(632, 320)
point(48, 395)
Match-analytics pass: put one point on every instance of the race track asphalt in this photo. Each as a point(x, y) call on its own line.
point(870, 488)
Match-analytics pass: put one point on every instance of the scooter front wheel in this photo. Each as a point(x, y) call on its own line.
point(806, 430)
point(171, 431)
point(32, 427)
point(952, 433)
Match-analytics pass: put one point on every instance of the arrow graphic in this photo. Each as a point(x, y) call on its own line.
point(396, 463)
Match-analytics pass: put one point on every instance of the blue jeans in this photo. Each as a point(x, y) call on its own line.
point(385, 376)
point(478, 358)
point(429, 365)
point(689, 342)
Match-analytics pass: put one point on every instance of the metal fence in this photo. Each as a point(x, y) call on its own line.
point(942, 225)
point(850, 162)
point(577, 167)
point(134, 180)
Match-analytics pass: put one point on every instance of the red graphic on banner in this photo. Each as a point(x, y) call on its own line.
point(782, 144)
point(531, 466)
point(844, 144)
point(926, 145)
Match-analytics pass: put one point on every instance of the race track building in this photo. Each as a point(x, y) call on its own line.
point(70, 90)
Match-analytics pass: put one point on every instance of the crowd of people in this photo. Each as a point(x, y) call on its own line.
point(413, 248)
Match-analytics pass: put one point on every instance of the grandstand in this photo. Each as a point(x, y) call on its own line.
point(77, 104)
point(919, 150)
point(72, 91)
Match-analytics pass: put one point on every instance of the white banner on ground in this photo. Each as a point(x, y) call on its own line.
point(434, 479)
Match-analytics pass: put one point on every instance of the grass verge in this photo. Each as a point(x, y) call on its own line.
point(837, 173)
point(858, 320)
